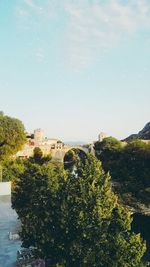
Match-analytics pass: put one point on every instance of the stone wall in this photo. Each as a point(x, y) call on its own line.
point(5, 188)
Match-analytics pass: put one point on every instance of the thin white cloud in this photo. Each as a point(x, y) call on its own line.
point(39, 9)
point(21, 12)
point(40, 55)
point(97, 26)
point(46, 9)
point(93, 27)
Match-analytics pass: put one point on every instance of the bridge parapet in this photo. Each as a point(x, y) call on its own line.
point(60, 153)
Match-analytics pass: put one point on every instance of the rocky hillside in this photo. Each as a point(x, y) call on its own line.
point(143, 134)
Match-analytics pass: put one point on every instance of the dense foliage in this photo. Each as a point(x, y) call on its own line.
point(72, 156)
point(39, 158)
point(12, 136)
point(14, 167)
point(129, 165)
point(75, 221)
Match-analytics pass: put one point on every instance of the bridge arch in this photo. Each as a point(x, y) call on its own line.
point(59, 154)
point(71, 156)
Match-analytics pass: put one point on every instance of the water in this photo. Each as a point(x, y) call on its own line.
point(141, 224)
point(8, 223)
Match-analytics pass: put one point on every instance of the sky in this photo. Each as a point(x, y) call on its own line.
point(76, 67)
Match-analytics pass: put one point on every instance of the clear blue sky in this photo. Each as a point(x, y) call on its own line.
point(75, 68)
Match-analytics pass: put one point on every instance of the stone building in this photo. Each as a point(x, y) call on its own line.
point(101, 136)
point(39, 135)
point(47, 145)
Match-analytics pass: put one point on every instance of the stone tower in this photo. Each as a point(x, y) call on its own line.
point(101, 136)
point(38, 135)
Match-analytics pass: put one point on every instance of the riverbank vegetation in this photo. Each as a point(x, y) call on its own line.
point(75, 220)
point(129, 167)
point(71, 215)
point(12, 136)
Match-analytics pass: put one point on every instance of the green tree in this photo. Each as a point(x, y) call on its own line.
point(37, 154)
point(72, 157)
point(128, 164)
point(108, 143)
point(108, 152)
point(12, 169)
point(12, 136)
point(39, 158)
point(75, 221)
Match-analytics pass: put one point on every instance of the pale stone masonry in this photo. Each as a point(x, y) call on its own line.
point(5, 188)
point(39, 140)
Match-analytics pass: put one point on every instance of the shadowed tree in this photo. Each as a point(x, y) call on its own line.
point(75, 221)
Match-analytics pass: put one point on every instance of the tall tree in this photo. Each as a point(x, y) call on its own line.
point(12, 136)
point(75, 221)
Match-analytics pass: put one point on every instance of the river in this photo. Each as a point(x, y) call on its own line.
point(8, 223)
point(141, 224)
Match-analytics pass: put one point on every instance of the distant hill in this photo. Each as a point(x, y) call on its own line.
point(144, 134)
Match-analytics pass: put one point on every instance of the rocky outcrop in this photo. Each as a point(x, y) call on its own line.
point(137, 207)
point(131, 138)
point(144, 134)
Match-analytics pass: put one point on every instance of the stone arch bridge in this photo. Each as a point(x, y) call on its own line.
point(59, 153)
